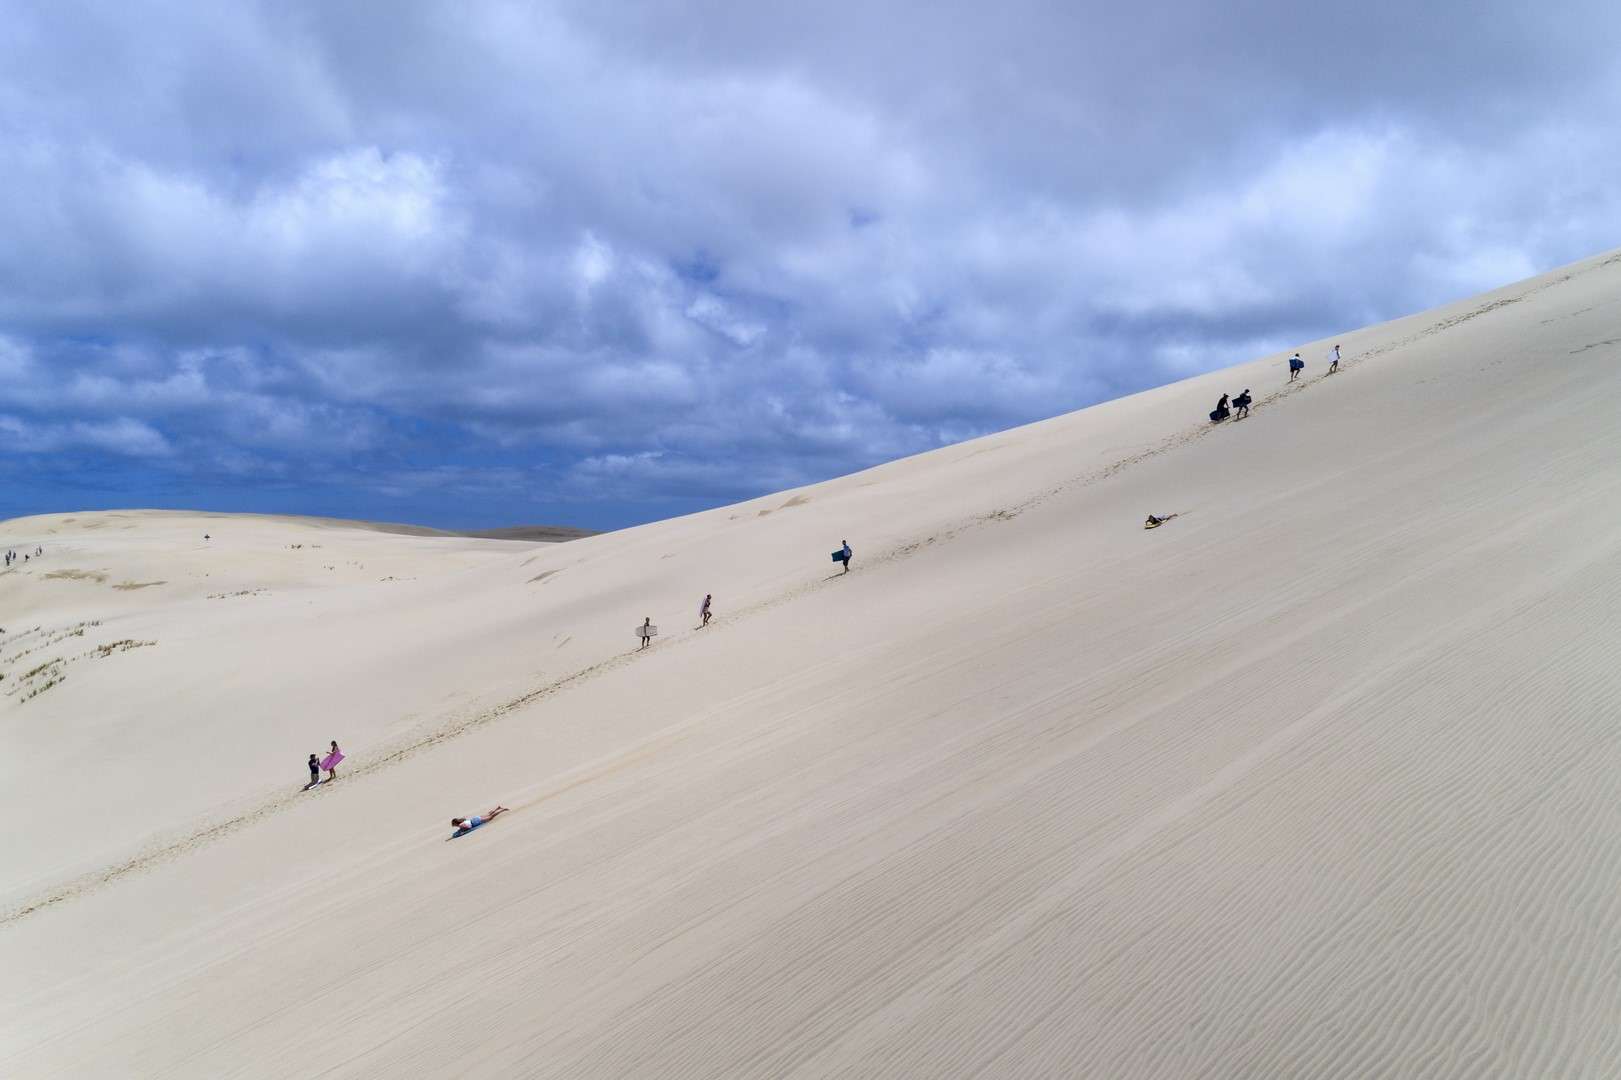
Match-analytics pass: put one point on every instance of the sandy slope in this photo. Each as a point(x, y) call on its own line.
point(1321, 779)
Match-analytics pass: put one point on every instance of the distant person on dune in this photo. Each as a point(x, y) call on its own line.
point(845, 553)
point(1155, 522)
point(1334, 360)
point(1296, 366)
point(1242, 404)
point(1220, 412)
point(315, 772)
point(645, 632)
point(703, 610)
point(464, 825)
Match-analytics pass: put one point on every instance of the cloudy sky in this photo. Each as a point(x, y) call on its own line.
point(478, 263)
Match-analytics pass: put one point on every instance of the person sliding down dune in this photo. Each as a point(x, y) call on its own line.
point(1155, 522)
point(465, 825)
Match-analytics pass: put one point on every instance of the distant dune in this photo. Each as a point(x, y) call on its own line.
point(1320, 778)
point(545, 534)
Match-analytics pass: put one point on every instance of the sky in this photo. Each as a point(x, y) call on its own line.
point(471, 264)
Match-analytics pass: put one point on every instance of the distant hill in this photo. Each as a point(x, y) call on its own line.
point(546, 534)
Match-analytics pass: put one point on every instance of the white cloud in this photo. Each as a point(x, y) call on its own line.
point(123, 436)
point(581, 239)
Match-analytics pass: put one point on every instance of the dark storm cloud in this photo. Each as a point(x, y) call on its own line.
point(604, 261)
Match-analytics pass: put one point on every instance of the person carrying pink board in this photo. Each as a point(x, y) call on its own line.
point(330, 762)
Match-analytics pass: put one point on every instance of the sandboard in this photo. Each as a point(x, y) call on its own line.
point(646, 631)
point(838, 556)
point(331, 759)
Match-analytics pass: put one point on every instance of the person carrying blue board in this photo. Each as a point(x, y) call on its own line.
point(843, 556)
point(1296, 366)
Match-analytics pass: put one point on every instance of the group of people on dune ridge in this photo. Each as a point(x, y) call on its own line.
point(1241, 404)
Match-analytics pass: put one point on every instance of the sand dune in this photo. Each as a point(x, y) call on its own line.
point(1323, 778)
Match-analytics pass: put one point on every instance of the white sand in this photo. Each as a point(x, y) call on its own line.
point(1321, 779)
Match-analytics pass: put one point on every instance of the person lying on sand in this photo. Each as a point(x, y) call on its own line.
point(1155, 522)
point(468, 824)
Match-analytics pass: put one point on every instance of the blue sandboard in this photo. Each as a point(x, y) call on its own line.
point(838, 556)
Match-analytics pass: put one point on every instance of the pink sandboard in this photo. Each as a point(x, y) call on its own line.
point(332, 759)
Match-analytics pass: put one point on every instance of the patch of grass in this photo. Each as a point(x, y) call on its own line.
point(101, 652)
point(56, 680)
point(78, 575)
